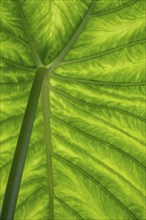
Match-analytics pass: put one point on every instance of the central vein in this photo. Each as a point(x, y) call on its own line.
point(46, 106)
point(46, 120)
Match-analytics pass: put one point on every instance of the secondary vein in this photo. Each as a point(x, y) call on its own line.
point(61, 56)
point(103, 53)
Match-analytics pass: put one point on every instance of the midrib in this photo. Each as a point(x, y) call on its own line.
point(47, 136)
point(46, 93)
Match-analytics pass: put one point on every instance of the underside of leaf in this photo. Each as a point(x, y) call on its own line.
point(86, 156)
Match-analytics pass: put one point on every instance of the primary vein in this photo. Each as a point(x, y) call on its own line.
point(28, 33)
point(47, 135)
point(46, 107)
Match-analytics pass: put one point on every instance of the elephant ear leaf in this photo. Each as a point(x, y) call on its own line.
point(86, 155)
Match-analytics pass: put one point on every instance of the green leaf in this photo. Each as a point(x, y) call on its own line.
point(86, 157)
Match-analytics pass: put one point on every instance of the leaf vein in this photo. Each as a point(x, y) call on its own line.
point(63, 140)
point(99, 140)
point(93, 105)
point(80, 170)
point(102, 53)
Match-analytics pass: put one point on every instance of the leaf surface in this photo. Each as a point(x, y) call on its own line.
point(92, 119)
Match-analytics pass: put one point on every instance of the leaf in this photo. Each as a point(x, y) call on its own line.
point(86, 157)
